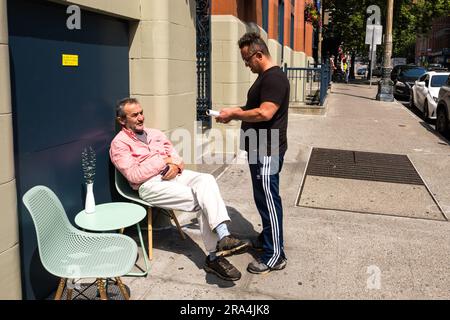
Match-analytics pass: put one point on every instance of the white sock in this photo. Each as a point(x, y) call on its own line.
point(222, 230)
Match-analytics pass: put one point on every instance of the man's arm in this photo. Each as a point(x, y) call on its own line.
point(172, 155)
point(264, 112)
point(134, 171)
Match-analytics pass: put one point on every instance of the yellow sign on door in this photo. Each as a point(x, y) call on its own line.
point(70, 60)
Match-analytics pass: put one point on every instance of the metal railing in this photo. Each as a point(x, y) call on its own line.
point(308, 85)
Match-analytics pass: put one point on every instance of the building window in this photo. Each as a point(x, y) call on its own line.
point(281, 22)
point(265, 15)
point(292, 32)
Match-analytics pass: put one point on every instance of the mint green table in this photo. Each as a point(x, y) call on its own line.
point(115, 216)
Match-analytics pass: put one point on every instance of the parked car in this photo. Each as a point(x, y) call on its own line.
point(443, 112)
point(362, 71)
point(399, 68)
point(404, 80)
point(436, 67)
point(377, 72)
point(425, 92)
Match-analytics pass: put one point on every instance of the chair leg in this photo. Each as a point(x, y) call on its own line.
point(70, 287)
point(122, 288)
point(69, 294)
point(101, 289)
point(150, 232)
point(174, 217)
point(59, 292)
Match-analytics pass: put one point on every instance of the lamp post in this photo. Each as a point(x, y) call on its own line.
point(319, 46)
point(386, 85)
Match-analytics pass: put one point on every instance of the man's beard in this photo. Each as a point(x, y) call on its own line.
point(139, 131)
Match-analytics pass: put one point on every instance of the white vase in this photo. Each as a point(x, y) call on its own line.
point(90, 200)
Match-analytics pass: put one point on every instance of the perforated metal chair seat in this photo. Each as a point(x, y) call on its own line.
point(70, 253)
point(84, 255)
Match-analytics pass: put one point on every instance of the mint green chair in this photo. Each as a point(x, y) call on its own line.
point(69, 253)
point(125, 190)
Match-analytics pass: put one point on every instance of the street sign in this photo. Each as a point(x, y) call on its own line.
point(373, 54)
point(374, 34)
point(374, 18)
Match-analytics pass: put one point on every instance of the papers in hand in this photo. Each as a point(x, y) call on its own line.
point(212, 113)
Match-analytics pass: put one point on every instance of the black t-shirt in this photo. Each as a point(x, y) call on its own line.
point(270, 86)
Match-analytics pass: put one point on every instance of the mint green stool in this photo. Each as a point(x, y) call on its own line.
point(115, 216)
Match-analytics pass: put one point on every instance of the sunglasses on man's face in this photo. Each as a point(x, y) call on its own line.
point(247, 59)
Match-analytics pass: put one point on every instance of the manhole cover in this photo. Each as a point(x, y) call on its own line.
point(368, 182)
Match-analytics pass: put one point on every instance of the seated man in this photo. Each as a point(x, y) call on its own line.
point(147, 159)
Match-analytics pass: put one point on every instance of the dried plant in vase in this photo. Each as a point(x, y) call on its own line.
point(88, 165)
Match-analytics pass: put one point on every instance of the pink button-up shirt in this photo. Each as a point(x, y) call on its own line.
point(137, 161)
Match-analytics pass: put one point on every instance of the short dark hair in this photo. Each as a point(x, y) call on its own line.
point(122, 103)
point(255, 43)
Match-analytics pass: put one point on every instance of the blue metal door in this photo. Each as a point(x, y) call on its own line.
point(59, 110)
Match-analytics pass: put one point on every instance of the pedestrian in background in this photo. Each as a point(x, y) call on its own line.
point(346, 66)
point(332, 67)
point(266, 112)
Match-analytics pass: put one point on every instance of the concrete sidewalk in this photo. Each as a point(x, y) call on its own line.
point(331, 254)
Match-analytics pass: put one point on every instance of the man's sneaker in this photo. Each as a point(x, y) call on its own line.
point(222, 268)
point(257, 243)
point(258, 267)
point(230, 245)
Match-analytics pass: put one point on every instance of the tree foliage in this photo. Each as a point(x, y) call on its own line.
point(410, 19)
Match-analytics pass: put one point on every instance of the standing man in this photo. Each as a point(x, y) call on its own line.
point(266, 115)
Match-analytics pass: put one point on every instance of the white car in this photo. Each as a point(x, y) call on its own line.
point(425, 92)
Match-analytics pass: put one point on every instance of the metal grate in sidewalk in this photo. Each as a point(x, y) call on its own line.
point(382, 167)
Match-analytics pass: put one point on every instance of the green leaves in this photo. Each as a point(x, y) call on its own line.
point(349, 22)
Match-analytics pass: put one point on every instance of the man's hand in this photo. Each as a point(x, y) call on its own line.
point(226, 115)
point(181, 166)
point(172, 172)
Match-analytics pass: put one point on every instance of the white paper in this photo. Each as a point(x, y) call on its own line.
point(212, 113)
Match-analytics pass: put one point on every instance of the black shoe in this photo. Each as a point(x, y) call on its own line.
point(230, 245)
point(222, 268)
point(258, 267)
point(257, 243)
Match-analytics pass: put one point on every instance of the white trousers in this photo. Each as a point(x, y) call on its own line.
point(190, 191)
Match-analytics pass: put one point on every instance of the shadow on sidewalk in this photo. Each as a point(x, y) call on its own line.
point(429, 124)
point(240, 227)
point(363, 82)
point(169, 240)
point(352, 95)
point(443, 140)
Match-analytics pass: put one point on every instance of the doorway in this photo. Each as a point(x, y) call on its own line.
point(60, 107)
